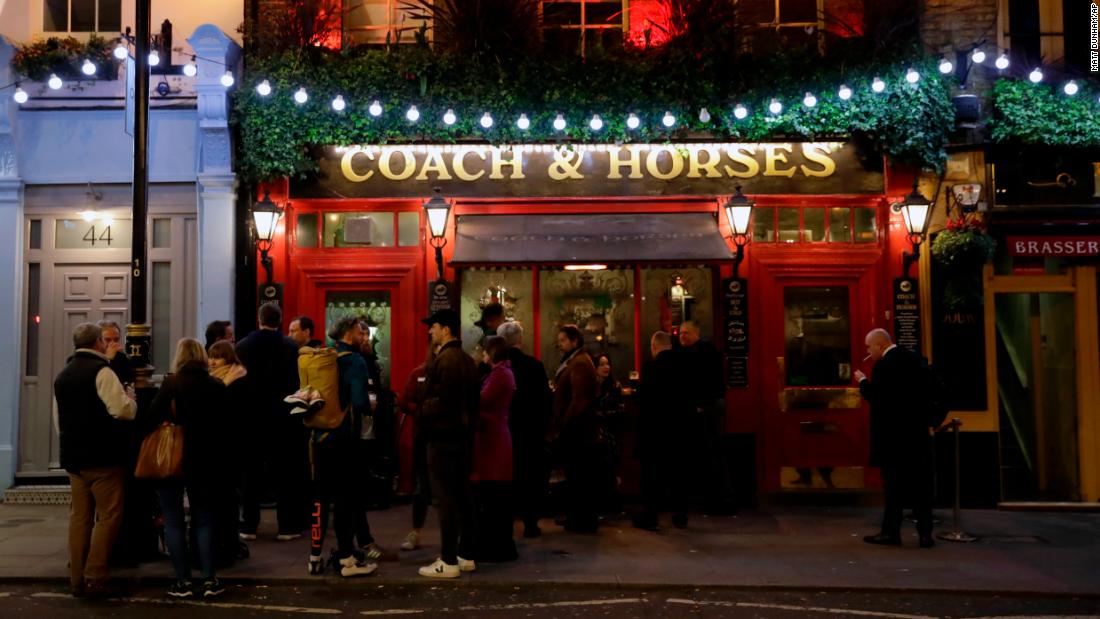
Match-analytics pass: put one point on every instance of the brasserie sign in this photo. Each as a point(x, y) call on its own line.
point(541, 170)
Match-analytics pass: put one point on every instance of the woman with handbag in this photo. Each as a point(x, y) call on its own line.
point(195, 401)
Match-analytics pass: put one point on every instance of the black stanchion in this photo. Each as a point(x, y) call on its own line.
point(957, 534)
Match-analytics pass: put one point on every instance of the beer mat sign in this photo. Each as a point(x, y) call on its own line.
point(583, 170)
point(907, 314)
point(1067, 246)
point(439, 296)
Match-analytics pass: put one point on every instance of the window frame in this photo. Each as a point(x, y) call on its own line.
point(69, 21)
point(397, 16)
point(584, 26)
point(1052, 45)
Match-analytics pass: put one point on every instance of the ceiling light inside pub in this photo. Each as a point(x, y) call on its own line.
point(585, 267)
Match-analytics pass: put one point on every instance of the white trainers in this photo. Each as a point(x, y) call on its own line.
point(288, 537)
point(439, 569)
point(352, 566)
point(412, 541)
point(466, 565)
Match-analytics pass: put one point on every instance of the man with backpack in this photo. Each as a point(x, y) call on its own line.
point(902, 428)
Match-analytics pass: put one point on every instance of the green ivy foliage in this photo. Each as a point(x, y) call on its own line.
point(909, 123)
point(1043, 114)
point(64, 57)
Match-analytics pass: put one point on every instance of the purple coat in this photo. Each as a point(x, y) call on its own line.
point(493, 441)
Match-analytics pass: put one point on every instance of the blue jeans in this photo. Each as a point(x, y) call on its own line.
point(175, 529)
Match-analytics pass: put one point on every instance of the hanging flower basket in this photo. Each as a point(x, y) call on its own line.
point(64, 58)
point(962, 249)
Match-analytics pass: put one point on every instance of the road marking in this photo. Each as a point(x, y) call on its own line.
point(817, 609)
point(518, 606)
point(265, 607)
point(6, 594)
point(393, 611)
point(50, 595)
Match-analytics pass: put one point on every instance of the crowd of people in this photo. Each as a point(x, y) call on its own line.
point(488, 432)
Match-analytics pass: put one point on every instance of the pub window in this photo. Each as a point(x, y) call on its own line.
point(305, 227)
point(791, 224)
point(378, 22)
point(818, 336)
point(82, 15)
point(1050, 32)
point(372, 307)
point(783, 22)
point(665, 309)
point(359, 229)
point(408, 229)
point(162, 232)
point(512, 288)
point(581, 26)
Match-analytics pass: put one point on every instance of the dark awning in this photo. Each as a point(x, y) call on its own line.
point(557, 239)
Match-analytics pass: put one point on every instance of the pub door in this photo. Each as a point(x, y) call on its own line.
point(815, 423)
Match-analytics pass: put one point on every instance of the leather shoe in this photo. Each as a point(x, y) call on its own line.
point(926, 541)
point(882, 539)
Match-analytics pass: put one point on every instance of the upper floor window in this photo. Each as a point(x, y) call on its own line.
point(82, 15)
point(793, 224)
point(377, 22)
point(1050, 32)
point(793, 22)
point(581, 26)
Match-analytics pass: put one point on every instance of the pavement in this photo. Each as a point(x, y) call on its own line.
point(788, 547)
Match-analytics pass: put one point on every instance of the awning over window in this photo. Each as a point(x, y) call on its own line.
point(572, 238)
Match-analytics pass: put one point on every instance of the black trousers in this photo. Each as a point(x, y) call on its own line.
point(281, 462)
point(908, 484)
point(449, 466)
point(666, 483)
point(583, 485)
point(493, 504)
point(531, 480)
point(422, 498)
point(334, 483)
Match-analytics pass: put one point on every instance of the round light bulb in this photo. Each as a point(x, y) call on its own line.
point(88, 68)
point(339, 104)
point(633, 122)
point(486, 120)
point(449, 117)
point(1070, 88)
point(20, 95)
point(190, 69)
point(668, 119)
point(912, 76)
point(740, 112)
point(301, 96)
point(263, 88)
point(775, 107)
point(227, 79)
point(809, 100)
point(1035, 76)
point(878, 85)
point(55, 82)
point(375, 108)
point(704, 115)
point(412, 114)
point(844, 93)
point(121, 52)
point(946, 66)
point(977, 56)
point(559, 123)
point(596, 123)
point(523, 122)
point(154, 58)
point(1001, 62)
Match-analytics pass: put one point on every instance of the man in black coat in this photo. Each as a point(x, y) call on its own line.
point(271, 359)
point(528, 421)
point(665, 435)
point(901, 436)
point(705, 389)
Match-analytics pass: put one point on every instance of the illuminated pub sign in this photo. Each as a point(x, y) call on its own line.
point(537, 170)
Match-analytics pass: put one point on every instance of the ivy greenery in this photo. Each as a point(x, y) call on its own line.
point(907, 122)
point(64, 57)
point(1042, 114)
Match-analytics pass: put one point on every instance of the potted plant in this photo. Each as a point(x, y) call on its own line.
point(962, 249)
point(65, 57)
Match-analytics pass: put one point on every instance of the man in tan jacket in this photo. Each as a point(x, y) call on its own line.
point(575, 432)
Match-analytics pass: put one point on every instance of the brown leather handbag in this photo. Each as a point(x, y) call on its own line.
point(161, 454)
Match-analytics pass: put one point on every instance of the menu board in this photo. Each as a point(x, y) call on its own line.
point(907, 314)
point(736, 314)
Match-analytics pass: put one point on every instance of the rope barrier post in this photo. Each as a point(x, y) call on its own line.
point(957, 534)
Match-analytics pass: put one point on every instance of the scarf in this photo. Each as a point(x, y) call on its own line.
point(229, 373)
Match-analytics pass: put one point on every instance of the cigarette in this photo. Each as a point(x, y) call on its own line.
point(867, 357)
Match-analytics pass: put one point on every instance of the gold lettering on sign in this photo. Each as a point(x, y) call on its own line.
point(616, 164)
point(434, 163)
point(349, 170)
point(516, 163)
point(459, 163)
point(772, 156)
point(710, 165)
point(818, 154)
point(743, 154)
point(652, 165)
point(565, 165)
point(407, 158)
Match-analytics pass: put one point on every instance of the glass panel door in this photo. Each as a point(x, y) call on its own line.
point(371, 307)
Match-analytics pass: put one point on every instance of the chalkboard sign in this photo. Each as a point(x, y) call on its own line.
point(270, 293)
point(439, 296)
point(736, 313)
point(907, 314)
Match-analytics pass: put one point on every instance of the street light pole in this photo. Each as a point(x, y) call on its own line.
point(138, 334)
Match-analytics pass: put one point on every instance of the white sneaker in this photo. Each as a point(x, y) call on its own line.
point(288, 537)
point(351, 566)
point(247, 537)
point(439, 569)
point(466, 565)
point(412, 541)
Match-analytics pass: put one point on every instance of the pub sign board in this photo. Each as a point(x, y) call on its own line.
point(735, 308)
point(541, 170)
point(1065, 246)
point(439, 296)
point(907, 314)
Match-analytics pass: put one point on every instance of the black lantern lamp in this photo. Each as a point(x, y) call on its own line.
point(916, 210)
point(738, 213)
point(265, 217)
point(438, 211)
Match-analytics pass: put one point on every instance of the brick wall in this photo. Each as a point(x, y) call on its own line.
point(957, 25)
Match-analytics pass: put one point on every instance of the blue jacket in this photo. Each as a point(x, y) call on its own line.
point(354, 386)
